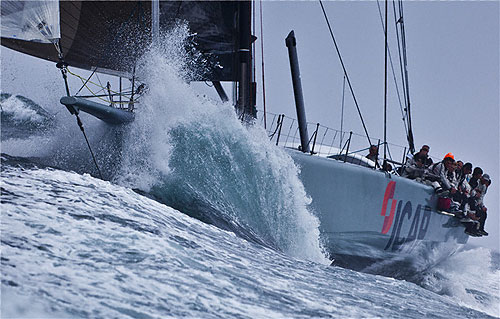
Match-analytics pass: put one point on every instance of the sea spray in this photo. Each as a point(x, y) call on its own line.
point(470, 276)
point(23, 118)
point(28, 130)
point(195, 155)
point(22, 110)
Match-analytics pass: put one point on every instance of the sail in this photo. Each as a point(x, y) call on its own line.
point(109, 36)
point(215, 29)
point(31, 20)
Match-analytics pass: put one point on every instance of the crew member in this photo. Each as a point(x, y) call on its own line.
point(373, 155)
point(445, 172)
point(481, 210)
point(476, 175)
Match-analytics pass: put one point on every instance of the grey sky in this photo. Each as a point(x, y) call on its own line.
point(453, 65)
point(453, 61)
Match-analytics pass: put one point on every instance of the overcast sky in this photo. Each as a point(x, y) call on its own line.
point(453, 65)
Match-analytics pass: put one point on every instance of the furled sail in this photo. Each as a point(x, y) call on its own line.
point(109, 36)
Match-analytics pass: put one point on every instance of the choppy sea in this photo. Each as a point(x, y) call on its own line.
point(198, 216)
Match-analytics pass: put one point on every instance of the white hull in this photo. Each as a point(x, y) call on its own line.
point(349, 202)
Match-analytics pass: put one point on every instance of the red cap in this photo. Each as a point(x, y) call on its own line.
point(450, 156)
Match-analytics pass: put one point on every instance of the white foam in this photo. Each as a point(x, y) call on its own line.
point(20, 111)
point(469, 278)
point(278, 198)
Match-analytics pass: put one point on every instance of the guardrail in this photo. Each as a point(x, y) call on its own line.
point(326, 141)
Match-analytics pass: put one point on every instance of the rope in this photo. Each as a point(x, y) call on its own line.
point(85, 81)
point(289, 130)
point(140, 20)
point(345, 72)
point(88, 144)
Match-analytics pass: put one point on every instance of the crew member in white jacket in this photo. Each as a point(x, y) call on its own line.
point(445, 173)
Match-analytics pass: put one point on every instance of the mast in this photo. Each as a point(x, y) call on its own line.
point(291, 44)
point(246, 101)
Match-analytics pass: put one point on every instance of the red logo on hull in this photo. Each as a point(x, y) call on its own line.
point(399, 215)
point(389, 194)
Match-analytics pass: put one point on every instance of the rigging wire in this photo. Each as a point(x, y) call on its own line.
point(345, 71)
point(405, 60)
point(394, 73)
point(342, 112)
point(400, 54)
point(95, 94)
point(100, 84)
point(404, 72)
point(262, 56)
point(64, 69)
point(385, 89)
point(400, 62)
point(80, 124)
point(253, 42)
point(253, 84)
point(88, 79)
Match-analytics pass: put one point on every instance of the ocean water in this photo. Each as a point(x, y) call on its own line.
point(77, 246)
point(199, 216)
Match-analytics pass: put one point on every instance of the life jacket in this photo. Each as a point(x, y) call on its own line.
point(444, 203)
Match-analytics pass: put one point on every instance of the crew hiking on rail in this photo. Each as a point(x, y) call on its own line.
point(461, 189)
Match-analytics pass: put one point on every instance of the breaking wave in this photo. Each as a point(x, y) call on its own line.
point(21, 117)
point(203, 161)
point(187, 151)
